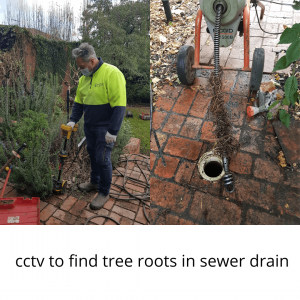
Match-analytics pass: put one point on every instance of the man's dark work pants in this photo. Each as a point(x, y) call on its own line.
point(99, 152)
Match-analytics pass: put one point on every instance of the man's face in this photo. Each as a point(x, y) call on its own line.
point(83, 64)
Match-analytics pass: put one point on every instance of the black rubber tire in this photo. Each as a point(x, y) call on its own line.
point(185, 60)
point(257, 69)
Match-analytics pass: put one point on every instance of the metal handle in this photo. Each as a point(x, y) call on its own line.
point(21, 148)
point(167, 9)
point(15, 154)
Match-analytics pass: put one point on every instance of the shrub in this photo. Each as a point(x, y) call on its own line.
point(38, 124)
point(289, 36)
point(31, 129)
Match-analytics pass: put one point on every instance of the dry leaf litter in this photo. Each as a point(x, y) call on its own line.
point(167, 38)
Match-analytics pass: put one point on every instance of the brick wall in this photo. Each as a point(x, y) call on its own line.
point(29, 60)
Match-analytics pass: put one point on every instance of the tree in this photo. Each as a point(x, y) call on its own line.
point(58, 22)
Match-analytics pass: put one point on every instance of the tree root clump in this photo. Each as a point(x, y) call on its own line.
point(225, 144)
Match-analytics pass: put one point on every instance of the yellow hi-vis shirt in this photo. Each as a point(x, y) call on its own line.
point(102, 98)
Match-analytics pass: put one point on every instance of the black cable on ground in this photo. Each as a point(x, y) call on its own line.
point(142, 197)
point(146, 216)
point(255, 5)
point(89, 219)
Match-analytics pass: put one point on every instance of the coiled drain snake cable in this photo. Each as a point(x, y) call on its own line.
point(228, 178)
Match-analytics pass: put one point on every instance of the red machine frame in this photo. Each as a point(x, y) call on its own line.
point(246, 27)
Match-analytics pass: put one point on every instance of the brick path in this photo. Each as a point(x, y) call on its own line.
point(67, 210)
point(265, 193)
point(275, 17)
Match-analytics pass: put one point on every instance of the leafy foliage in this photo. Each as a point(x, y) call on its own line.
point(284, 117)
point(35, 120)
point(281, 64)
point(53, 56)
point(7, 38)
point(289, 36)
point(296, 5)
point(273, 105)
point(290, 89)
point(32, 128)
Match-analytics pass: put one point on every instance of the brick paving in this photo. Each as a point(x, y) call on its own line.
point(264, 193)
point(67, 210)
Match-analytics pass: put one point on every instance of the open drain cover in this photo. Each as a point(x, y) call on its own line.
point(210, 167)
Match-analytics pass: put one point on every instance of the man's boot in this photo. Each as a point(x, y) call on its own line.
point(99, 201)
point(87, 187)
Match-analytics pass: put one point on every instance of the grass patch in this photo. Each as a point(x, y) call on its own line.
point(140, 128)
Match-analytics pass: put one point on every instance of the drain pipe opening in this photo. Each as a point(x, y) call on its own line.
point(210, 167)
point(213, 169)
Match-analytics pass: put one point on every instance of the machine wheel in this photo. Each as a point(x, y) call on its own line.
point(185, 60)
point(257, 69)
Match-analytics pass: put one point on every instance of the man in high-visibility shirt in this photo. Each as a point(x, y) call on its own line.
point(101, 96)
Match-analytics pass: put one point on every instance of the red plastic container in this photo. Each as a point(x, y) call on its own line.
point(20, 211)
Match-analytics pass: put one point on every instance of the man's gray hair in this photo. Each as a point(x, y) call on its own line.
point(85, 51)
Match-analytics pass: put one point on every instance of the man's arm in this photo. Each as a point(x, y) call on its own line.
point(116, 86)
